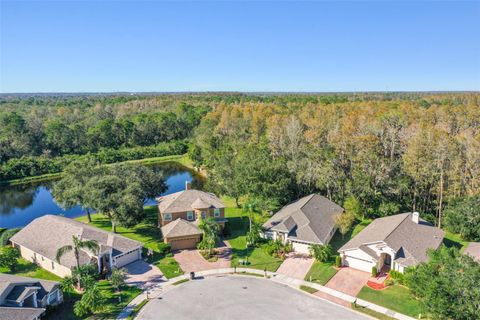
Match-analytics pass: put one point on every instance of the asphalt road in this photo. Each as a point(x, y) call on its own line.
point(240, 298)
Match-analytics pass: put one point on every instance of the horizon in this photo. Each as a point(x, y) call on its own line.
point(236, 46)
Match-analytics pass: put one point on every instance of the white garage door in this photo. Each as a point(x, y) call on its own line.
point(127, 258)
point(359, 264)
point(301, 247)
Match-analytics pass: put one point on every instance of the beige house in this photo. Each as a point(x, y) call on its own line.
point(39, 241)
point(391, 243)
point(26, 298)
point(179, 214)
point(305, 222)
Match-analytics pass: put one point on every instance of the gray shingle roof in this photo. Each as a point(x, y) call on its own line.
point(309, 219)
point(188, 200)
point(409, 239)
point(16, 288)
point(46, 234)
point(15, 313)
point(473, 250)
point(180, 227)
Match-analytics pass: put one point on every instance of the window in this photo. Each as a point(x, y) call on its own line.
point(204, 214)
point(216, 213)
point(167, 216)
point(189, 215)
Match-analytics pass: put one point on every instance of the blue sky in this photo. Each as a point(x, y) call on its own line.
point(85, 46)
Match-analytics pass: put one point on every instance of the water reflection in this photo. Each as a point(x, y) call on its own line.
point(19, 205)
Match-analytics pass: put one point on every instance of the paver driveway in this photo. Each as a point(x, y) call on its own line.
point(191, 260)
point(349, 281)
point(143, 275)
point(296, 266)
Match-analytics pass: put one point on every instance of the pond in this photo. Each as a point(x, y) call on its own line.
point(21, 204)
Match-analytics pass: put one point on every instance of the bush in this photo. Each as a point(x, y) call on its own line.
point(338, 261)
point(321, 253)
point(164, 248)
point(397, 276)
point(389, 282)
point(7, 234)
point(9, 258)
point(374, 271)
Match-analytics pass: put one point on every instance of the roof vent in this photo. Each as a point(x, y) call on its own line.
point(415, 217)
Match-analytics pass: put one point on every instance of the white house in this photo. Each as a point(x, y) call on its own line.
point(394, 242)
point(309, 220)
point(39, 241)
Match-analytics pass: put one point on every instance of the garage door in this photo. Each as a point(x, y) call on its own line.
point(301, 247)
point(359, 264)
point(186, 243)
point(127, 258)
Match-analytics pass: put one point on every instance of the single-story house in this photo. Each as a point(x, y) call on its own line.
point(180, 213)
point(26, 298)
point(395, 242)
point(39, 241)
point(309, 220)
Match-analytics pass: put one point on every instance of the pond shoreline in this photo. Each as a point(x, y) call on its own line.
point(182, 159)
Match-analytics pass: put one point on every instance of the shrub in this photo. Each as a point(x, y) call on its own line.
point(374, 271)
point(389, 282)
point(7, 234)
point(9, 258)
point(338, 261)
point(164, 248)
point(321, 253)
point(397, 276)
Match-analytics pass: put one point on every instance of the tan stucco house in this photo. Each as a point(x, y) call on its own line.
point(307, 221)
point(392, 243)
point(40, 239)
point(179, 214)
point(23, 298)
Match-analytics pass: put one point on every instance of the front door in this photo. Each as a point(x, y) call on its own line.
point(388, 260)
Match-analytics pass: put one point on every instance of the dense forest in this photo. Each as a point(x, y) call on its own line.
point(384, 152)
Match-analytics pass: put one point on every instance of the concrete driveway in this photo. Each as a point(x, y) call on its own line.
point(296, 266)
point(143, 275)
point(240, 298)
point(349, 281)
point(192, 260)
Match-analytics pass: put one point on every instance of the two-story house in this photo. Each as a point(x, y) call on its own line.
point(179, 215)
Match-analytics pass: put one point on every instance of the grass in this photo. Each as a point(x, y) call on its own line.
point(320, 272)
point(176, 283)
point(372, 313)
point(396, 298)
point(454, 240)
point(236, 228)
point(137, 309)
point(252, 274)
point(308, 289)
point(28, 269)
point(145, 232)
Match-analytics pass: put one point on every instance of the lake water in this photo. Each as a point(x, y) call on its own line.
point(21, 204)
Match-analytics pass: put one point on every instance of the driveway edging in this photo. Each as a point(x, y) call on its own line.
point(279, 278)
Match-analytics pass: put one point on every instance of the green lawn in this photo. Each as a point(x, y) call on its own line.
point(372, 313)
point(320, 272)
point(308, 289)
point(454, 240)
point(396, 298)
point(145, 232)
point(31, 270)
point(236, 228)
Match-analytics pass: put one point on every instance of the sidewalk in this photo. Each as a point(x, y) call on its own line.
point(272, 276)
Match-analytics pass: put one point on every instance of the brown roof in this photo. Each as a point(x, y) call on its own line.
point(309, 219)
point(409, 239)
point(46, 234)
point(179, 228)
point(188, 200)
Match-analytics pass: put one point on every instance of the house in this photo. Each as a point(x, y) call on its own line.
point(473, 250)
point(24, 298)
point(179, 215)
point(394, 242)
point(309, 220)
point(39, 241)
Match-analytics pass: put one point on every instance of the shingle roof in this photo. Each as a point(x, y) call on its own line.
point(309, 219)
point(473, 250)
point(188, 200)
point(16, 288)
point(409, 239)
point(46, 234)
point(180, 227)
point(16, 313)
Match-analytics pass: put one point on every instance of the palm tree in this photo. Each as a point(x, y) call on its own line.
point(78, 244)
point(210, 233)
